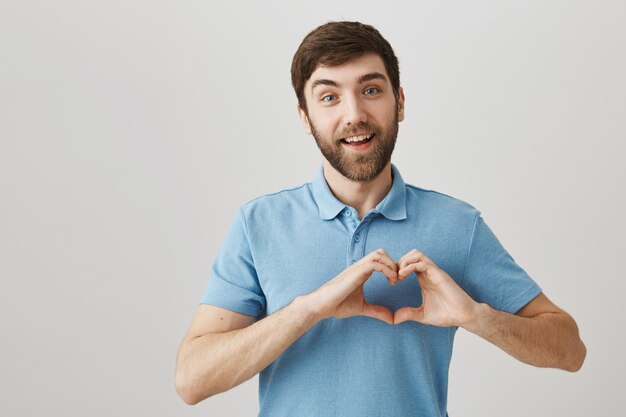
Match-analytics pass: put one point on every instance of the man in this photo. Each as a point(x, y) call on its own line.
point(345, 293)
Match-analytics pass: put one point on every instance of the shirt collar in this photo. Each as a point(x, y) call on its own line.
point(393, 206)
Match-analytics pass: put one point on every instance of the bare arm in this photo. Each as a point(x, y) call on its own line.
point(223, 349)
point(546, 339)
point(540, 334)
point(213, 359)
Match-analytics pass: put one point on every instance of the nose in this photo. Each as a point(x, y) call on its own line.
point(354, 111)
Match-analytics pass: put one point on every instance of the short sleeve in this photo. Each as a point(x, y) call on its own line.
point(492, 276)
point(233, 283)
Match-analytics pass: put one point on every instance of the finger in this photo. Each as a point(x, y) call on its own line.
point(409, 314)
point(391, 274)
point(380, 255)
point(413, 256)
point(403, 259)
point(417, 267)
point(424, 257)
point(378, 312)
point(356, 275)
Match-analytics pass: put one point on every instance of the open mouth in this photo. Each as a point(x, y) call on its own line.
point(356, 141)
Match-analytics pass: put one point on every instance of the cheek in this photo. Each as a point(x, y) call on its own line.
point(326, 125)
point(386, 110)
point(387, 115)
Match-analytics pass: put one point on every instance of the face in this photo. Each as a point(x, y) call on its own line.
point(353, 116)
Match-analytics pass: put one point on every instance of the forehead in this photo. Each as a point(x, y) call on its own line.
point(350, 71)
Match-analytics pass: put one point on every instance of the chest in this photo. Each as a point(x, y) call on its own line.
point(296, 260)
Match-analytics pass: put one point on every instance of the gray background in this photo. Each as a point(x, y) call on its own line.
point(132, 130)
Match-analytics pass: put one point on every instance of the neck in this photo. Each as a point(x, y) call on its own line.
point(362, 196)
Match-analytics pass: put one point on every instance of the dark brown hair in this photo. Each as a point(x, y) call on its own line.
point(335, 43)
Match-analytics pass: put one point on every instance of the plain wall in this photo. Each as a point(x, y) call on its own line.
point(132, 130)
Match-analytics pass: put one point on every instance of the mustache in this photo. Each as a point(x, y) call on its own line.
point(361, 127)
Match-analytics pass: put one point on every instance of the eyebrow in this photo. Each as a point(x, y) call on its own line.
point(371, 76)
point(363, 78)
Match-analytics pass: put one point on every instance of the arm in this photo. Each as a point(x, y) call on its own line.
point(215, 355)
point(540, 334)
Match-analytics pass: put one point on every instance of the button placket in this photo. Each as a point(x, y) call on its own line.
point(357, 242)
point(356, 245)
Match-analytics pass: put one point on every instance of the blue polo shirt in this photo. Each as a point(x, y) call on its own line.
point(289, 243)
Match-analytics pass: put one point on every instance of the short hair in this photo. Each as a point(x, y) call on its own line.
point(335, 43)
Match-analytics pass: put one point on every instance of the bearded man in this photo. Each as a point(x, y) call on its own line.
point(345, 293)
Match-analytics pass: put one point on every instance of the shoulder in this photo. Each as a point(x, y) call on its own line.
point(278, 204)
point(439, 204)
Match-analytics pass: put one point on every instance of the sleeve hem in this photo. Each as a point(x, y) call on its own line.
point(247, 309)
point(526, 297)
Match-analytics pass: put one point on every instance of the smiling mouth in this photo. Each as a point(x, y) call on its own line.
point(358, 139)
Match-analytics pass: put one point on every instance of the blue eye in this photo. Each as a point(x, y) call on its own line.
point(328, 97)
point(372, 90)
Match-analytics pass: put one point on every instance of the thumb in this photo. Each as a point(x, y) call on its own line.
point(409, 314)
point(377, 312)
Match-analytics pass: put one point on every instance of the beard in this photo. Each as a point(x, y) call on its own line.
point(360, 166)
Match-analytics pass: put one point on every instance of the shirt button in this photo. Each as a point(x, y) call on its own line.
point(353, 261)
point(357, 238)
point(347, 212)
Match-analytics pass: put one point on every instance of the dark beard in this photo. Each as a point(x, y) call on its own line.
point(369, 164)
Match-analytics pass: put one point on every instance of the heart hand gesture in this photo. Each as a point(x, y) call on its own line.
point(343, 297)
point(444, 303)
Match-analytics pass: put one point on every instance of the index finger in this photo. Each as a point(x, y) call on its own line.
point(413, 256)
point(379, 255)
point(370, 266)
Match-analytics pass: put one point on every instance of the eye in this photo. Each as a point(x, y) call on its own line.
point(328, 98)
point(371, 91)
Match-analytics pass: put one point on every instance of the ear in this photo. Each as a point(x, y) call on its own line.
point(400, 104)
point(305, 119)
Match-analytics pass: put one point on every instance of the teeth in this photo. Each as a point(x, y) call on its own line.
point(357, 138)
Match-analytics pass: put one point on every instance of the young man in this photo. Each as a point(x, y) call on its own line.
point(345, 293)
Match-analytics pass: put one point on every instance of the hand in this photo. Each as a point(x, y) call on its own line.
point(444, 303)
point(342, 296)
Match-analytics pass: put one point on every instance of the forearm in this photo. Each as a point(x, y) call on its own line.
point(546, 340)
point(215, 362)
